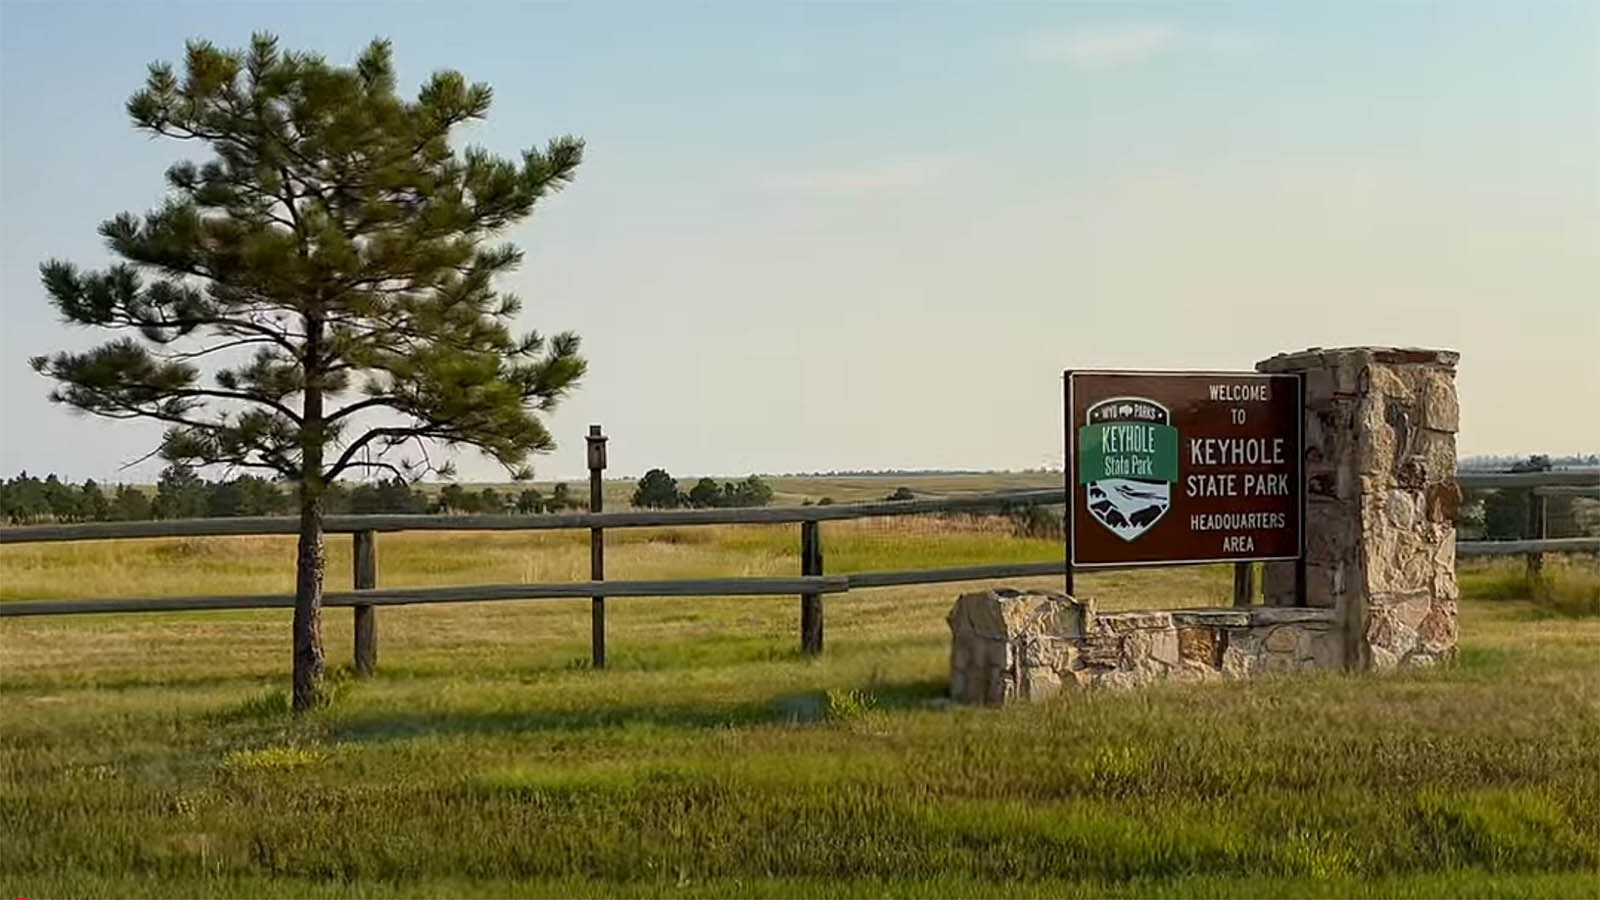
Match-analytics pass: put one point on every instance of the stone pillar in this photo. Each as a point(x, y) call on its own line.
point(1381, 500)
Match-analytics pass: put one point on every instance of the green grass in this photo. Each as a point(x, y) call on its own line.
point(1565, 587)
point(152, 755)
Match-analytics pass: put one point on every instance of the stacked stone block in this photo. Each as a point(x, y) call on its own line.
point(1009, 644)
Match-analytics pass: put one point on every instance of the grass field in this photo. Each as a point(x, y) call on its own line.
point(792, 490)
point(153, 755)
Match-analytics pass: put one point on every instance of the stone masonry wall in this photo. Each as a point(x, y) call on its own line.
point(1007, 644)
point(1382, 500)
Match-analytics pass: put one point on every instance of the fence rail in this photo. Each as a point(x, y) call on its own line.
point(810, 585)
point(1538, 545)
point(688, 587)
point(1581, 478)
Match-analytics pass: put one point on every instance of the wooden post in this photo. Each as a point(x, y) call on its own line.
point(1244, 584)
point(1067, 582)
point(1536, 531)
point(1304, 550)
point(810, 604)
point(597, 547)
point(366, 578)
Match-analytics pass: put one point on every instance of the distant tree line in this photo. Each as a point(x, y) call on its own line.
point(659, 490)
point(181, 493)
point(1512, 463)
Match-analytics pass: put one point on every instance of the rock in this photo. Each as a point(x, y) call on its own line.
point(1283, 639)
point(1117, 678)
point(1415, 356)
point(1383, 658)
point(1386, 381)
point(1237, 662)
point(1126, 622)
point(1135, 649)
point(1440, 409)
point(1000, 686)
point(1326, 650)
point(1040, 682)
point(1400, 564)
point(1198, 646)
point(1278, 662)
point(1034, 650)
point(1437, 632)
point(1443, 503)
point(1216, 617)
point(1375, 440)
point(1289, 615)
point(1402, 509)
point(1164, 647)
point(960, 655)
point(1104, 650)
point(1277, 583)
point(1410, 611)
point(1435, 452)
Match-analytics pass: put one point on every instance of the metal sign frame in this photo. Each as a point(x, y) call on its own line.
point(1071, 470)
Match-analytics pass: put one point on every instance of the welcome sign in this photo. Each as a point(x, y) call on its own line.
point(1183, 467)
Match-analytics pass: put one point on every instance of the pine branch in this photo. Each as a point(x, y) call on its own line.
point(400, 435)
point(246, 396)
point(376, 464)
point(364, 405)
point(207, 351)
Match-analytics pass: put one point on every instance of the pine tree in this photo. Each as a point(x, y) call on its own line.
point(656, 490)
point(706, 493)
point(130, 505)
point(530, 502)
point(181, 494)
point(332, 266)
point(94, 505)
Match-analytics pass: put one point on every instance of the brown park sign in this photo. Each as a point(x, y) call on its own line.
point(1183, 467)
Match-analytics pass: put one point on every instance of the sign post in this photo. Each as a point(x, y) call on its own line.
point(1171, 468)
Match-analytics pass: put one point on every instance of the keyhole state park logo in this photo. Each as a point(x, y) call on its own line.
point(1128, 461)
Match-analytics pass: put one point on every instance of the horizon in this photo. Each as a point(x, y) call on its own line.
point(1559, 461)
point(864, 237)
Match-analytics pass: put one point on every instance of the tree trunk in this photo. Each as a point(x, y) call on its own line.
point(309, 561)
point(308, 659)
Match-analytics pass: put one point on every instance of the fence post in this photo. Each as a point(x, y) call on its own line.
point(810, 604)
point(1536, 530)
point(1244, 584)
point(366, 577)
point(597, 547)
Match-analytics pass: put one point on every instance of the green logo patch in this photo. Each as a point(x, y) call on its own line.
point(1128, 459)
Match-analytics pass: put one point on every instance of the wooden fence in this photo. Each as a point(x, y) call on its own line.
point(810, 584)
point(1535, 542)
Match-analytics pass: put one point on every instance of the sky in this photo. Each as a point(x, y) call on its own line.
point(852, 235)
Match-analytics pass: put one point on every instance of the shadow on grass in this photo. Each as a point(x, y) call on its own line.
point(793, 708)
